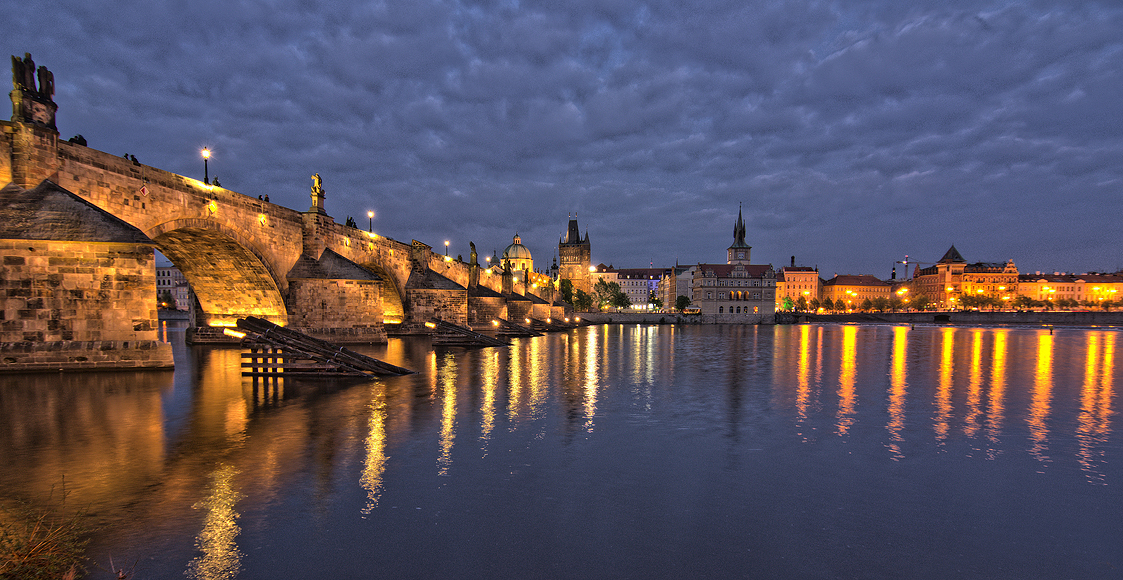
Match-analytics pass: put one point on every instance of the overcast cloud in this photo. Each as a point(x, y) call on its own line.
point(853, 133)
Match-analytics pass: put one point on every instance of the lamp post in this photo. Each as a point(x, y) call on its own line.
point(206, 174)
point(370, 226)
point(446, 248)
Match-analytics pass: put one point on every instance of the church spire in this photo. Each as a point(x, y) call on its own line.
point(739, 230)
point(739, 251)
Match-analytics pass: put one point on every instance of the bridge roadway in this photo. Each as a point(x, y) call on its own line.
point(236, 251)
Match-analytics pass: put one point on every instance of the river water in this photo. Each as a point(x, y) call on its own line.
point(835, 451)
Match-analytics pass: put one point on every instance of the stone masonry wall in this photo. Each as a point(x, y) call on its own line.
point(447, 305)
point(78, 305)
point(335, 303)
point(483, 309)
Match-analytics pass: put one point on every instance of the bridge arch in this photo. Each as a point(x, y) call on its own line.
point(393, 290)
point(230, 277)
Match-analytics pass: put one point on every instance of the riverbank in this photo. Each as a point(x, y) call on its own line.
point(965, 318)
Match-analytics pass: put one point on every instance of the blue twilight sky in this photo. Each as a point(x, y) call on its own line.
point(853, 133)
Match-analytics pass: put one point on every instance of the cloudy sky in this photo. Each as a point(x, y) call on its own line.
point(853, 133)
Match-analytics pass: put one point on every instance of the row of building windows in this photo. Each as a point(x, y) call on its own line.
point(721, 310)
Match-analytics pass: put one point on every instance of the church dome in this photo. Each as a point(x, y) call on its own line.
point(517, 251)
point(518, 256)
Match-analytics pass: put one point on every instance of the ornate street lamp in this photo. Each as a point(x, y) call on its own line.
point(206, 175)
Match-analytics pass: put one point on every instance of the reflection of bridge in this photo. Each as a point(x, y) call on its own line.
point(245, 256)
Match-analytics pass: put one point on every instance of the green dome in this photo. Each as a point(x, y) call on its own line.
point(517, 251)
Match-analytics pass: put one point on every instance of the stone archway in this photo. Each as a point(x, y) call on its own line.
point(229, 279)
point(393, 307)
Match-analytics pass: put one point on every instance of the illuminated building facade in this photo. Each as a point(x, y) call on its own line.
point(947, 281)
point(737, 291)
point(852, 290)
point(1088, 289)
point(639, 284)
point(574, 258)
point(795, 282)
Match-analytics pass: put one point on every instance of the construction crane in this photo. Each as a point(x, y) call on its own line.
point(906, 263)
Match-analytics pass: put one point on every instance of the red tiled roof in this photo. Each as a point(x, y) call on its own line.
point(855, 280)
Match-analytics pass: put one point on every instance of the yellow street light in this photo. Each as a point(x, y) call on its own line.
point(370, 216)
point(206, 174)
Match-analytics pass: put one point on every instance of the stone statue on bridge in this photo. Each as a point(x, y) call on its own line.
point(317, 194)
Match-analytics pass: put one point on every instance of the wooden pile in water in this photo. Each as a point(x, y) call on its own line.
point(279, 351)
point(449, 334)
point(508, 328)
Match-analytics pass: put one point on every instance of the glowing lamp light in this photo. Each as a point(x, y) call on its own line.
point(430, 325)
point(495, 323)
point(235, 333)
point(528, 321)
point(549, 321)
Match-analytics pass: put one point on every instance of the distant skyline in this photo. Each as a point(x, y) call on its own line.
point(853, 133)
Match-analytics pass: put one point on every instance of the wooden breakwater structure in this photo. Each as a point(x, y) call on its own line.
point(276, 351)
point(507, 328)
point(449, 334)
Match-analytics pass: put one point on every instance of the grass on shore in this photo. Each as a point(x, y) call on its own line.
point(41, 544)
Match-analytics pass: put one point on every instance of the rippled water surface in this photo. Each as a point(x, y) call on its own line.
point(608, 452)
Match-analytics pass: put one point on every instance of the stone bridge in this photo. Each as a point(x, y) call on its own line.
point(245, 256)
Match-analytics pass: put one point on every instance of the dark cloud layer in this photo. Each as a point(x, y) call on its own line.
point(853, 133)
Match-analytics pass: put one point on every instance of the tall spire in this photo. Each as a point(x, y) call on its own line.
point(739, 251)
point(739, 231)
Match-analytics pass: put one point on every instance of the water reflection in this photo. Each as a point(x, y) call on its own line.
point(1094, 419)
point(974, 385)
point(144, 450)
point(898, 389)
point(997, 399)
point(1042, 394)
point(589, 371)
point(803, 370)
point(220, 558)
point(375, 463)
point(847, 395)
point(944, 387)
point(490, 377)
point(446, 377)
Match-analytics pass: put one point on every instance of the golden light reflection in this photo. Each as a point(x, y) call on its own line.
point(536, 380)
point(514, 393)
point(898, 389)
point(996, 412)
point(220, 558)
point(847, 396)
point(490, 386)
point(1041, 401)
point(943, 390)
point(1094, 419)
point(803, 376)
point(448, 414)
point(974, 385)
point(591, 372)
point(375, 464)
